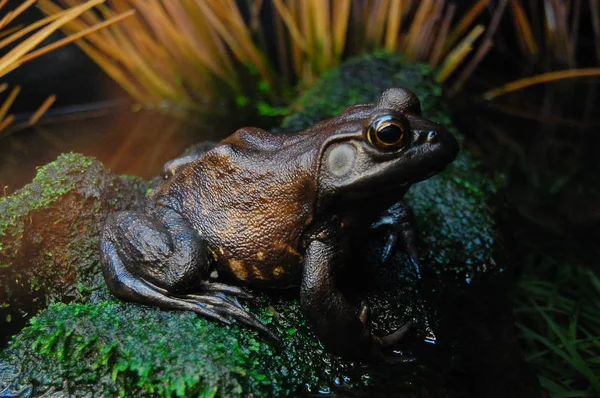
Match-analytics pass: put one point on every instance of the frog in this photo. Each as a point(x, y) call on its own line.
point(265, 210)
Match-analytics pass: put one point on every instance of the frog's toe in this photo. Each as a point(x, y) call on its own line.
point(215, 287)
point(391, 242)
point(399, 360)
point(364, 312)
point(396, 336)
point(379, 343)
point(228, 307)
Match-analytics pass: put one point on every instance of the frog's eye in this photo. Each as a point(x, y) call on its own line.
point(387, 132)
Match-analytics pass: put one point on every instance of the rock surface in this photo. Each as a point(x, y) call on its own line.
point(462, 335)
point(48, 235)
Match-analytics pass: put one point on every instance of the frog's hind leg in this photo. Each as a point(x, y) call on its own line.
point(154, 258)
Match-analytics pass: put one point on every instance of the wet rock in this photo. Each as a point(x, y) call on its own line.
point(48, 235)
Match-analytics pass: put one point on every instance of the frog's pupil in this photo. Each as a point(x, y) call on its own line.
point(390, 134)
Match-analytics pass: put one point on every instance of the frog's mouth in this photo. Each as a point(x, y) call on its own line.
point(432, 152)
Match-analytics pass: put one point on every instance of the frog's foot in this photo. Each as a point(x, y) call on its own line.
point(384, 341)
point(219, 304)
point(153, 258)
point(342, 328)
point(388, 340)
point(398, 222)
point(379, 343)
point(393, 338)
point(226, 305)
point(364, 312)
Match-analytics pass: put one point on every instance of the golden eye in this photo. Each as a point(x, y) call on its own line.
point(387, 132)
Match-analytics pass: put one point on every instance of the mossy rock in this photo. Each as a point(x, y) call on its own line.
point(103, 346)
point(48, 234)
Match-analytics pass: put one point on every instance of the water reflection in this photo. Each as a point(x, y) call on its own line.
point(127, 142)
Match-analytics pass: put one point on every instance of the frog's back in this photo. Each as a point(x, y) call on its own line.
point(251, 198)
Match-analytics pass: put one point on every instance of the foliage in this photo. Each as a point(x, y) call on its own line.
point(26, 51)
point(174, 55)
point(558, 315)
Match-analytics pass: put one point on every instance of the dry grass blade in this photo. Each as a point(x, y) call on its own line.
point(10, 31)
point(5, 123)
point(557, 29)
point(321, 12)
point(30, 28)
point(561, 22)
point(595, 16)
point(249, 53)
point(11, 60)
point(438, 45)
point(538, 116)
point(25, 50)
point(456, 56)
point(393, 25)
point(9, 101)
point(318, 30)
point(415, 30)
point(543, 78)
point(485, 46)
point(574, 32)
point(75, 36)
point(117, 74)
point(525, 33)
point(147, 54)
point(428, 36)
point(466, 21)
point(377, 25)
point(10, 16)
point(341, 12)
point(41, 110)
point(286, 15)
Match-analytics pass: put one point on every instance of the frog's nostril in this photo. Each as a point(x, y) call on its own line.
point(431, 136)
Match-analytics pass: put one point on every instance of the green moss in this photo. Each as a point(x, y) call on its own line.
point(44, 191)
point(362, 80)
point(110, 347)
point(559, 324)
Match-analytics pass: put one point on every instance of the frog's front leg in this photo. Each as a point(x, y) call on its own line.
point(341, 327)
point(156, 258)
point(400, 225)
point(398, 221)
point(172, 166)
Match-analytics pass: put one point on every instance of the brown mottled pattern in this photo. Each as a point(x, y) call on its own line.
point(250, 198)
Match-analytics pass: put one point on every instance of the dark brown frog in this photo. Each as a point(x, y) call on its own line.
point(280, 210)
